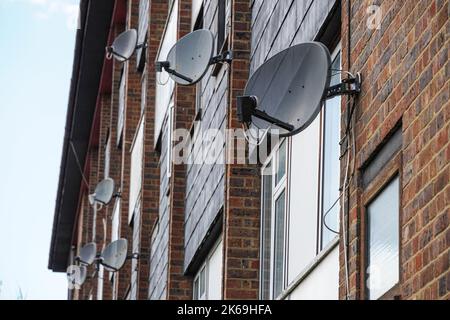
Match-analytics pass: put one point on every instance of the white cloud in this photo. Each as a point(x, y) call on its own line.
point(44, 9)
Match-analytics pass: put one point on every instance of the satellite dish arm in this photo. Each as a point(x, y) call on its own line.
point(160, 65)
point(247, 107)
point(110, 53)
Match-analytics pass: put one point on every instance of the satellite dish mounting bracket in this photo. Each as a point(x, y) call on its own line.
point(247, 108)
point(134, 256)
point(160, 65)
point(349, 86)
point(118, 194)
point(224, 57)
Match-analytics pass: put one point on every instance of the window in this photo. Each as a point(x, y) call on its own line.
point(222, 27)
point(170, 119)
point(144, 7)
point(107, 156)
point(381, 197)
point(135, 249)
point(136, 170)
point(274, 218)
point(165, 86)
point(144, 92)
point(383, 241)
point(121, 111)
point(330, 162)
point(197, 14)
point(115, 235)
point(222, 24)
point(198, 24)
point(208, 281)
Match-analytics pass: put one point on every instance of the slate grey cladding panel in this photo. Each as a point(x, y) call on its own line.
point(205, 183)
point(280, 24)
point(160, 237)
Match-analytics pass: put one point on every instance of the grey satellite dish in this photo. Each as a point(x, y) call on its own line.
point(103, 192)
point(76, 275)
point(88, 254)
point(114, 255)
point(287, 90)
point(189, 59)
point(124, 46)
point(82, 275)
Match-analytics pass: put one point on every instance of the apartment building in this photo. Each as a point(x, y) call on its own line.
point(354, 207)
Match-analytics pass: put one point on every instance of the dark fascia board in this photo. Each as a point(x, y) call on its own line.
point(91, 40)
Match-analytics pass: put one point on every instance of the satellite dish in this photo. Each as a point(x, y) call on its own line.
point(114, 255)
point(103, 192)
point(288, 89)
point(124, 46)
point(76, 275)
point(189, 59)
point(88, 254)
point(82, 275)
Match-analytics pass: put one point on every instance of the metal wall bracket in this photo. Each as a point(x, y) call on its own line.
point(225, 57)
point(349, 86)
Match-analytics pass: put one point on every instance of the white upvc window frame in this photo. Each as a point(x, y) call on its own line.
point(322, 211)
point(278, 188)
point(204, 271)
point(170, 129)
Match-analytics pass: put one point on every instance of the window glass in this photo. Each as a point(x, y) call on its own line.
point(266, 236)
point(202, 282)
point(121, 111)
point(196, 8)
point(281, 167)
point(107, 157)
point(303, 200)
point(383, 241)
point(165, 85)
point(279, 246)
point(169, 141)
point(215, 271)
point(196, 289)
point(331, 162)
point(136, 170)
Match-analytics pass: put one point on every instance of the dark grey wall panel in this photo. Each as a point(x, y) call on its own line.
point(160, 237)
point(277, 25)
point(205, 182)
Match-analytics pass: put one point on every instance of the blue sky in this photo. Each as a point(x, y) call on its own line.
point(37, 39)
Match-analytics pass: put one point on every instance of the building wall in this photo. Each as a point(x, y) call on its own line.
point(151, 175)
point(406, 83)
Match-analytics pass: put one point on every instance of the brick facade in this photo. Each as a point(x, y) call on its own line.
point(405, 68)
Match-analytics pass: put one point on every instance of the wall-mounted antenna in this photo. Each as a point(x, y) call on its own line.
point(288, 90)
point(190, 58)
point(124, 46)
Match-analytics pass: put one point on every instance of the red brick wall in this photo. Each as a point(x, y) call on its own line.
point(150, 181)
point(242, 196)
point(406, 80)
point(115, 169)
point(131, 120)
point(180, 286)
point(105, 213)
